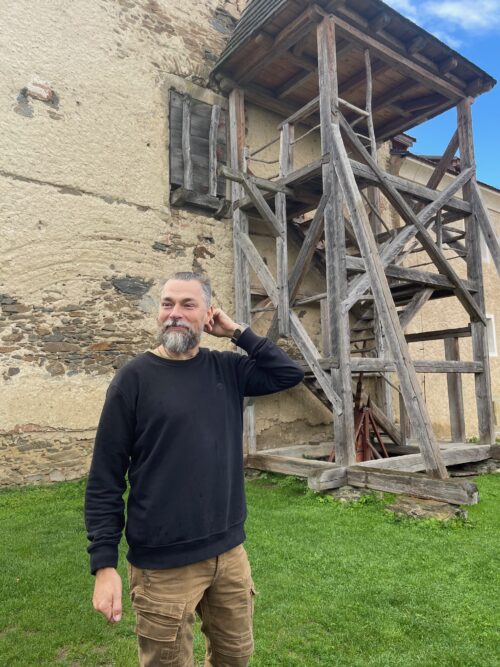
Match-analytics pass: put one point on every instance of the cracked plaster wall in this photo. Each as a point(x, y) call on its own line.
point(87, 231)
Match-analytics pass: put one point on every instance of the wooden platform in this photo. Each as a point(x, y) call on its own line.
point(397, 474)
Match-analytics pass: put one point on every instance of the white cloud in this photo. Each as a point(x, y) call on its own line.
point(467, 14)
point(452, 41)
point(443, 17)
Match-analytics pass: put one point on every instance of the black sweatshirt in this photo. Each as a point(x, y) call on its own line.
point(176, 427)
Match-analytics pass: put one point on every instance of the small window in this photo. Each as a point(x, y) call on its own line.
point(198, 145)
point(492, 335)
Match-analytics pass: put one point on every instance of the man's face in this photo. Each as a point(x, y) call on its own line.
point(182, 315)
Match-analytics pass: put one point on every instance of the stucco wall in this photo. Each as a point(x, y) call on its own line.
point(87, 231)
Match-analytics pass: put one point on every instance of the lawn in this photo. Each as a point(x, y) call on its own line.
point(339, 585)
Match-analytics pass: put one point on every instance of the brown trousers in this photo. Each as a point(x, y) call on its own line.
point(220, 590)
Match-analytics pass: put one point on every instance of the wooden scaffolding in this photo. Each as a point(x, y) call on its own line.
point(335, 61)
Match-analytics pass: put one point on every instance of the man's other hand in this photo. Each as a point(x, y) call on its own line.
point(221, 325)
point(107, 598)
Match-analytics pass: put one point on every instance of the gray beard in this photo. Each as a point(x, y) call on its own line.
point(178, 342)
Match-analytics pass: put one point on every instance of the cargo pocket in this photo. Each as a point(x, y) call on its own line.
point(158, 620)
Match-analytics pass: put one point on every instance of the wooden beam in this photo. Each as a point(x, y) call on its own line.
point(398, 61)
point(257, 264)
point(416, 45)
point(475, 272)
point(311, 356)
point(447, 65)
point(304, 258)
point(455, 392)
point(262, 207)
point(359, 77)
point(452, 455)
point(439, 334)
point(410, 188)
point(284, 40)
point(374, 365)
point(240, 226)
point(417, 302)
point(335, 250)
point(186, 142)
point(323, 475)
point(410, 218)
point(392, 250)
point(457, 492)
point(181, 197)
point(212, 150)
point(485, 224)
point(286, 164)
point(385, 306)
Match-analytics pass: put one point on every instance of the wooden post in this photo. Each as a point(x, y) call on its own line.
point(410, 388)
point(240, 226)
point(286, 166)
point(455, 394)
point(335, 251)
point(475, 272)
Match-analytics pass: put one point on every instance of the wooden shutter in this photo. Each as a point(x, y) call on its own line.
point(198, 144)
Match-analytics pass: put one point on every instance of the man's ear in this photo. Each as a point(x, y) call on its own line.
point(209, 315)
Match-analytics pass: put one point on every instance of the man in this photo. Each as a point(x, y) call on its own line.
point(173, 419)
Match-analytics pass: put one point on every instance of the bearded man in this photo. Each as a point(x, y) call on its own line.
point(173, 422)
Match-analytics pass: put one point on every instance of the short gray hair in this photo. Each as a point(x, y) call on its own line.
point(203, 279)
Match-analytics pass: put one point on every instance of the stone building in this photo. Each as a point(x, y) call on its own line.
point(88, 227)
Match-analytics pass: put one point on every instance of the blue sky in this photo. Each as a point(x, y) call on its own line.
point(471, 27)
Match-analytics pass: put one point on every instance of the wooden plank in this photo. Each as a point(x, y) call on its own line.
point(457, 492)
point(286, 165)
point(311, 355)
point(374, 365)
point(261, 183)
point(410, 386)
point(425, 278)
point(403, 185)
point(475, 272)
point(322, 480)
point(305, 111)
point(315, 450)
point(186, 142)
point(398, 61)
point(335, 250)
point(240, 226)
point(452, 455)
point(263, 207)
point(304, 258)
point(181, 196)
point(455, 392)
point(283, 41)
point(289, 465)
point(483, 219)
point(411, 218)
point(257, 263)
point(212, 147)
point(439, 334)
point(417, 302)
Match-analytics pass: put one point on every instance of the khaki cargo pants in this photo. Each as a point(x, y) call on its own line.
point(220, 590)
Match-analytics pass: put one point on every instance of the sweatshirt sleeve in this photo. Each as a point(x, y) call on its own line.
point(104, 504)
point(267, 368)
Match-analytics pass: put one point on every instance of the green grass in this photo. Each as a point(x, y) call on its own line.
point(339, 585)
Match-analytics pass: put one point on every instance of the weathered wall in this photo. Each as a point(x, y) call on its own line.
point(87, 231)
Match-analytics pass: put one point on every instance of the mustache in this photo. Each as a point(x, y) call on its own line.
point(175, 322)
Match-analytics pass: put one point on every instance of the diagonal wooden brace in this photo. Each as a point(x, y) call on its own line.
point(409, 217)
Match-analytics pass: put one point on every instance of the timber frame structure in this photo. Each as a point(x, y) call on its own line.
point(338, 70)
